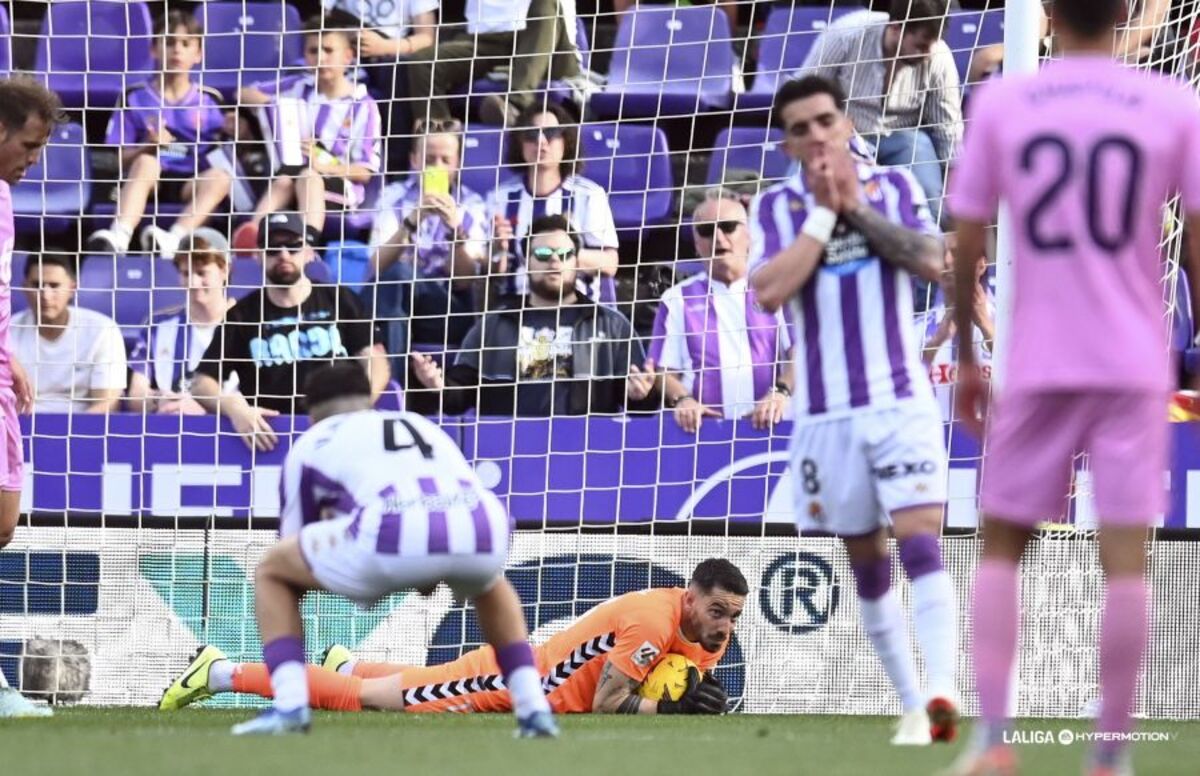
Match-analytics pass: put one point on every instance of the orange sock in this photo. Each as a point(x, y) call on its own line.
point(366, 670)
point(326, 689)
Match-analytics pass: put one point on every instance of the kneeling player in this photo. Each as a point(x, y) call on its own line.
point(594, 665)
point(376, 502)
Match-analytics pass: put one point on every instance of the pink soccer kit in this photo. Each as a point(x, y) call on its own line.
point(1085, 154)
point(11, 470)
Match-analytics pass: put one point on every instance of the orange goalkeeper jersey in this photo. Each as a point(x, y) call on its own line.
point(633, 632)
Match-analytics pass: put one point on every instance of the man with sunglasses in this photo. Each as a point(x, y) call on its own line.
point(555, 352)
point(722, 356)
point(840, 241)
point(275, 336)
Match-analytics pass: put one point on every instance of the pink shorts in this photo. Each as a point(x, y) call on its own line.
point(12, 470)
point(1033, 439)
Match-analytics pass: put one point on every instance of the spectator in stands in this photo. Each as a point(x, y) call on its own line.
point(902, 83)
point(545, 150)
point(274, 337)
point(165, 131)
point(75, 357)
point(554, 353)
point(935, 328)
point(720, 355)
point(527, 36)
point(429, 242)
point(169, 350)
point(340, 142)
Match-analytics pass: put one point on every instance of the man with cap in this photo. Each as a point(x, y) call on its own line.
point(276, 335)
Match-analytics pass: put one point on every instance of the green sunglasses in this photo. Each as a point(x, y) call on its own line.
point(546, 254)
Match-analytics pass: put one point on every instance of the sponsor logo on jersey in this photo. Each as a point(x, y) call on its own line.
point(645, 654)
point(899, 471)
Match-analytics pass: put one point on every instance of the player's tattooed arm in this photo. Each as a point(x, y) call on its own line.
point(616, 693)
point(918, 253)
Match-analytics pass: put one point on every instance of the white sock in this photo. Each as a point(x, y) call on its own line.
point(120, 228)
point(178, 231)
point(883, 621)
point(525, 686)
point(220, 676)
point(289, 681)
point(935, 619)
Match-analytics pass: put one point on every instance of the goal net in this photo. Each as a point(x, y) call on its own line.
point(436, 150)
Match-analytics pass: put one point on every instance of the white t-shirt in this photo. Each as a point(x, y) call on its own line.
point(392, 18)
point(484, 16)
point(89, 355)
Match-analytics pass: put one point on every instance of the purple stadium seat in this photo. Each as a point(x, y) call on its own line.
point(245, 275)
point(167, 290)
point(485, 163)
point(748, 148)
point(117, 287)
point(668, 61)
point(786, 39)
point(55, 190)
point(5, 42)
point(19, 302)
point(248, 42)
point(966, 32)
point(318, 271)
point(392, 398)
point(92, 52)
point(631, 162)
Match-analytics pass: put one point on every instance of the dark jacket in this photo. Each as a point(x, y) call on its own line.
point(485, 374)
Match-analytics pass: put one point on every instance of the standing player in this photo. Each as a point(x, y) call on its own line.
point(376, 502)
point(846, 237)
point(1084, 153)
point(28, 112)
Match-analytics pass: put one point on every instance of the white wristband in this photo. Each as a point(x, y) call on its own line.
point(819, 224)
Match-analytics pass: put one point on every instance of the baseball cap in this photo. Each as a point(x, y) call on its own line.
point(281, 228)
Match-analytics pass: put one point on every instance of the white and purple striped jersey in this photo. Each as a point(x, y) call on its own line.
point(348, 128)
point(855, 344)
point(402, 479)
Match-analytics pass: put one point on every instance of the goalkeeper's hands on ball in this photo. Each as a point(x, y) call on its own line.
point(704, 695)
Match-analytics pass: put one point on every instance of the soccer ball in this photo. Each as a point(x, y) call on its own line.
point(669, 676)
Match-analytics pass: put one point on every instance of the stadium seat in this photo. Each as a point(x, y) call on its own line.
point(318, 271)
point(90, 53)
point(392, 398)
point(557, 91)
point(786, 39)
point(166, 291)
point(966, 32)
point(349, 262)
point(19, 302)
point(56, 189)
point(748, 148)
point(245, 275)
point(485, 163)
point(248, 42)
point(632, 163)
point(668, 61)
point(119, 287)
point(5, 43)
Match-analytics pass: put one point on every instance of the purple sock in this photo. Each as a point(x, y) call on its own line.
point(873, 578)
point(285, 649)
point(920, 555)
point(513, 656)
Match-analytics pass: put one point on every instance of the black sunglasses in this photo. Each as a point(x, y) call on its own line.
point(707, 229)
point(293, 246)
point(532, 134)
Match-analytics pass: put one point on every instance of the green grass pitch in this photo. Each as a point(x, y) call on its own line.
point(132, 742)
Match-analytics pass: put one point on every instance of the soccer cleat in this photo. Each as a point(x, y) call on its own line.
point(1123, 766)
point(192, 685)
point(943, 719)
point(539, 724)
point(107, 241)
point(160, 242)
point(912, 729)
point(274, 722)
point(335, 656)
point(981, 758)
point(14, 705)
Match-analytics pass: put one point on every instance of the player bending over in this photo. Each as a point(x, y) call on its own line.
point(28, 113)
point(841, 240)
point(594, 665)
point(373, 503)
point(1084, 153)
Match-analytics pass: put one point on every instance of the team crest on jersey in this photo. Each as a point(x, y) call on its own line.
point(645, 654)
point(873, 191)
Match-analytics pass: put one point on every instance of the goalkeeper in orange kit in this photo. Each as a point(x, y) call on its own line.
point(594, 665)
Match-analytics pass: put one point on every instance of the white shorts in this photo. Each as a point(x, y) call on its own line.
point(347, 562)
point(850, 473)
